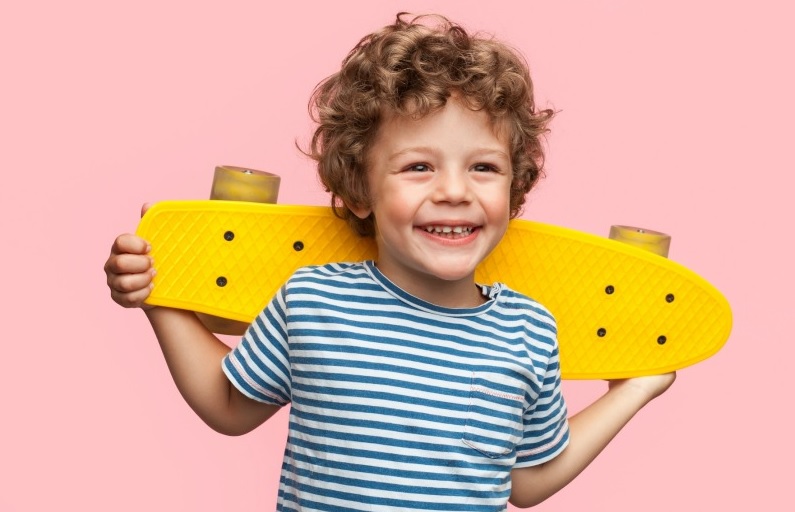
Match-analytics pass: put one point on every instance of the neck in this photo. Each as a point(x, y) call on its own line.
point(461, 293)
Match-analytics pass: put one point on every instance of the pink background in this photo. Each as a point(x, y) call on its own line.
point(675, 115)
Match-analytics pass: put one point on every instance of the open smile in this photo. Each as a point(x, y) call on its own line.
point(451, 232)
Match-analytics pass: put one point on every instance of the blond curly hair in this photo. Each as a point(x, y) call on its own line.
point(412, 67)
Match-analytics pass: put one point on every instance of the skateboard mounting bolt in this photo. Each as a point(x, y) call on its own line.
point(661, 340)
point(298, 245)
point(669, 297)
point(610, 289)
point(601, 332)
point(229, 236)
point(221, 281)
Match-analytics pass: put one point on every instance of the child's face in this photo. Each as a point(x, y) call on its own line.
point(440, 189)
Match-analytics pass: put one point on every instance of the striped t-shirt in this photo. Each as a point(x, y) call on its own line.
point(399, 404)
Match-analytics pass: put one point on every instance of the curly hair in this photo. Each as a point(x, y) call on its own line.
point(412, 68)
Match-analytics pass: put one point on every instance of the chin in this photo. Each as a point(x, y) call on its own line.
point(453, 275)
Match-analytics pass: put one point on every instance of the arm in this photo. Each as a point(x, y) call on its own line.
point(193, 354)
point(590, 432)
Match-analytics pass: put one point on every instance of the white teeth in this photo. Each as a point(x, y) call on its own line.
point(449, 229)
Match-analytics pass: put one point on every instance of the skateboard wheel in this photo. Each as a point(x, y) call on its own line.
point(242, 184)
point(652, 241)
point(232, 183)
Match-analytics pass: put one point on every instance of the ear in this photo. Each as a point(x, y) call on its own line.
point(360, 211)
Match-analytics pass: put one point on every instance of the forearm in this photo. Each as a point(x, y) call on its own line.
point(194, 355)
point(591, 430)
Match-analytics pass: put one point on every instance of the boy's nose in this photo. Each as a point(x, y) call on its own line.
point(452, 187)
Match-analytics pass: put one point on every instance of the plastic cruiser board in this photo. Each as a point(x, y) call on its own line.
point(621, 311)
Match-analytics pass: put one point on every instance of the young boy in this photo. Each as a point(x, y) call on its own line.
point(411, 386)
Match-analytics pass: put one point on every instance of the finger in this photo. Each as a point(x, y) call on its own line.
point(132, 263)
point(119, 264)
point(130, 300)
point(129, 283)
point(145, 207)
point(128, 243)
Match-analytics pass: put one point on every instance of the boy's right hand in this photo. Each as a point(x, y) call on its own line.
point(130, 271)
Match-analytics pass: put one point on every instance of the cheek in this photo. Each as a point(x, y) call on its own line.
point(496, 208)
point(394, 209)
point(503, 204)
point(506, 192)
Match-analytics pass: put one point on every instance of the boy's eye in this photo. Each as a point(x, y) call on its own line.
point(418, 168)
point(484, 168)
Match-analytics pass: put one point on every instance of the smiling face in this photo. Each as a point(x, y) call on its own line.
point(440, 195)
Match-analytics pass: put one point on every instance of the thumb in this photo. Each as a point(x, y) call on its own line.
point(145, 207)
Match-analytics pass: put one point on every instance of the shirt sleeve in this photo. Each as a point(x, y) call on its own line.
point(546, 426)
point(260, 364)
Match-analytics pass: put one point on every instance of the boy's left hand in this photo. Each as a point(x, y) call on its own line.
point(651, 386)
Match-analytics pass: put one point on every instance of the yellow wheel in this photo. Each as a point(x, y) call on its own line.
point(652, 241)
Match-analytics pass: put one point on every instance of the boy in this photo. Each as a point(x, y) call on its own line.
point(411, 386)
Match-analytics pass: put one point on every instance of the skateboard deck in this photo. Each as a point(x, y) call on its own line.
point(621, 311)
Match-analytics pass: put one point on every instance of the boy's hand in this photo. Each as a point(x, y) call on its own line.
point(129, 270)
point(591, 430)
point(650, 386)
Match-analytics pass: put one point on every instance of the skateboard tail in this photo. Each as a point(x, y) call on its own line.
point(621, 311)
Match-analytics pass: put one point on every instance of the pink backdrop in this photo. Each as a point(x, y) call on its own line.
point(675, 115)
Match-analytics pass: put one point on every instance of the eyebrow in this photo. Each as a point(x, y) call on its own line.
point(479, 152)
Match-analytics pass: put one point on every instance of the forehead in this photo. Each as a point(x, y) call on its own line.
point(456, 122)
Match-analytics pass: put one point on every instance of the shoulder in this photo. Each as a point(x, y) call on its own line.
point(334, 278)
point(527, 319)
point(514, 303)
point(329, 272)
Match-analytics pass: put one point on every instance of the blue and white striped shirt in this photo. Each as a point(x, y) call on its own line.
point(399, 404)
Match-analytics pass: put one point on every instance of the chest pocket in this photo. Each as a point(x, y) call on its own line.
point(494, 420)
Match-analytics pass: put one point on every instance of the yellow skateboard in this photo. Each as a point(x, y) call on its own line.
point(622, 311)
